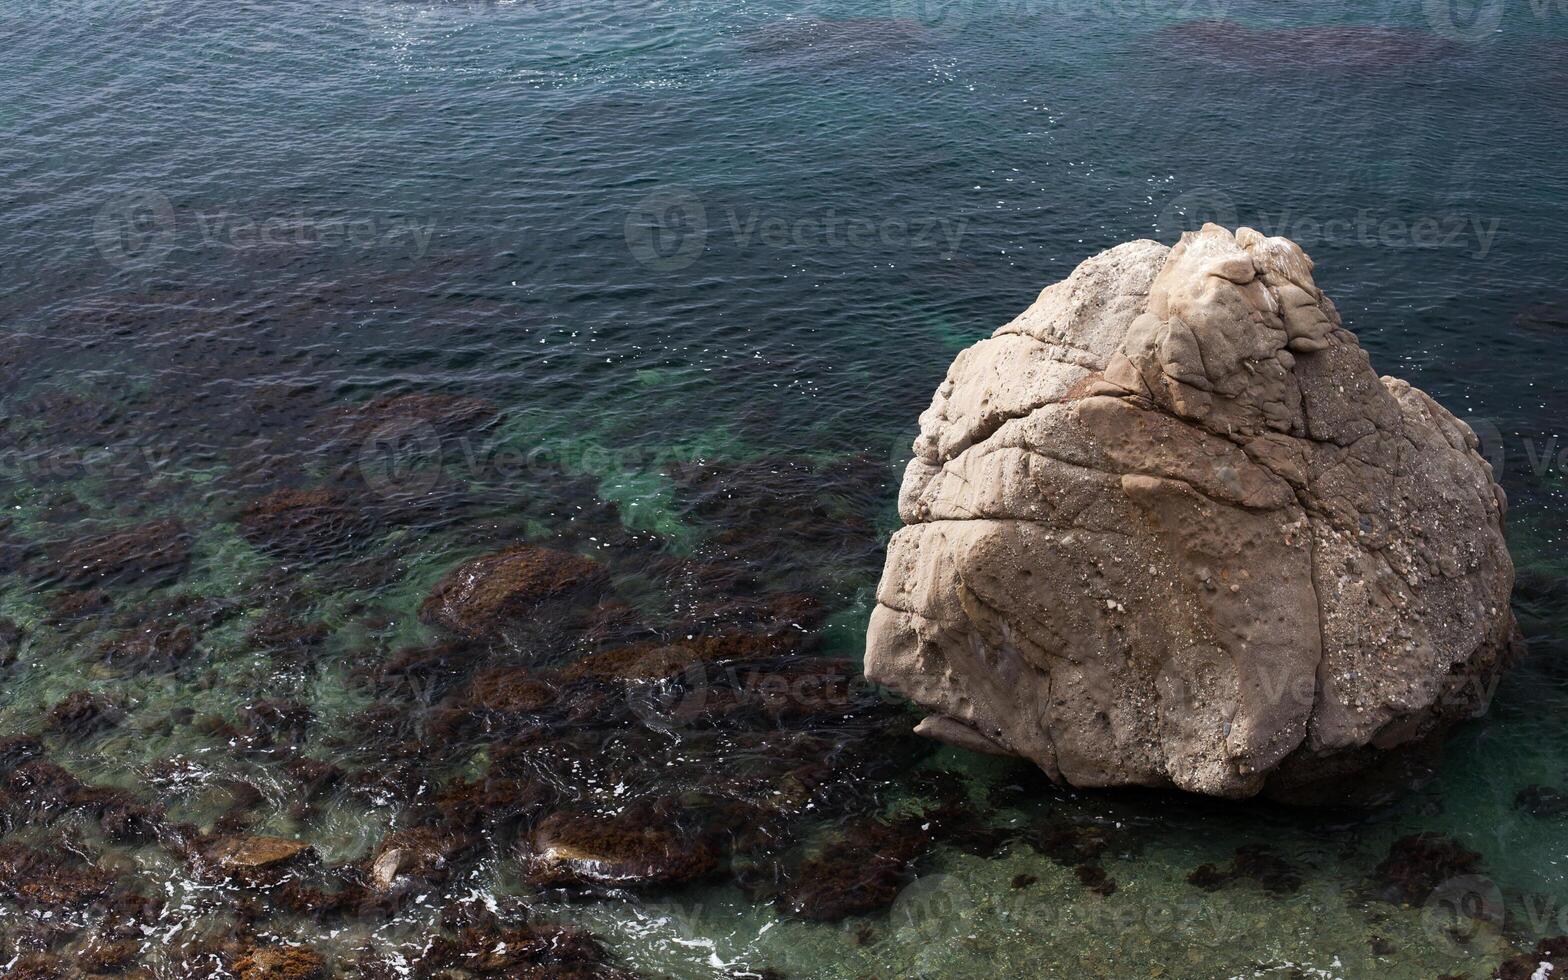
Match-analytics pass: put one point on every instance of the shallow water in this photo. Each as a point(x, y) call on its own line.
point(668, 284)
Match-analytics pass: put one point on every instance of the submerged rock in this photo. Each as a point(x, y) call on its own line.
point(72, 605)
point(1168, 528)
point(658, 661)
point(281, 963)
point(1256, 862)
point(424, 853)
point(148, 553)
point(1094, 878)
point(491, 802)
point(83, 713)
point(640, 846)
point(36, 966)
point(128, 822)
point(447, 414)
point(151, 646)
point(861, 872)
point(277, 632)
point(249, 858)
point(510, 690)
point(46, 790)
point(18, 749)
point(163, 634)
point(12, 637)
point(50, 880)
point(535, 951)
point(1419, 863)
point(304, 524)
point(268, 725)
point(1542, 801)
point(1548, 959)
point(109, 955)
point(479, 597)
point(1551, 316)
point(780, 513)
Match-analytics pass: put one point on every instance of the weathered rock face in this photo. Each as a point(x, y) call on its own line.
point(1168, 528)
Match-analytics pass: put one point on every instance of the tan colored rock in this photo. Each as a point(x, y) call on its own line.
point(241, 855)
point(1168, 528)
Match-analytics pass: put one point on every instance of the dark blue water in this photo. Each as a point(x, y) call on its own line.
point(667, 284)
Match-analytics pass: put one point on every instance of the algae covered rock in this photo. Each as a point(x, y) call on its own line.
point(1169, 528)
point(281, 963)
point(641, 846)
point(151, 553)
point(479, 597)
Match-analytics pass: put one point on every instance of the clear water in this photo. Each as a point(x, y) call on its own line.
point(705, 263)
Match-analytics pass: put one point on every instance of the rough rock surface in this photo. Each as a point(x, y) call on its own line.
point(244, 857)
point(479, 597)
point(1168, 528)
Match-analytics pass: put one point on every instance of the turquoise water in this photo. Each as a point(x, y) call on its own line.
point(667, 284)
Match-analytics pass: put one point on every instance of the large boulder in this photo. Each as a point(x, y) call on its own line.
point(1169, 528)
